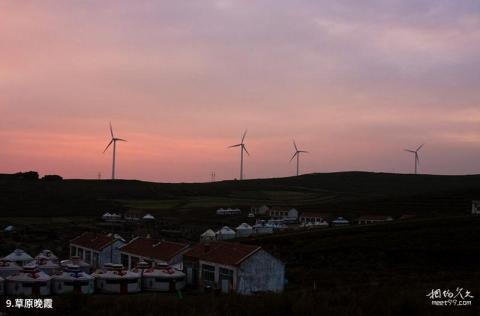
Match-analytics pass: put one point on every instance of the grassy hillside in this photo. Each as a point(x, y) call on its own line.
point(345, 192)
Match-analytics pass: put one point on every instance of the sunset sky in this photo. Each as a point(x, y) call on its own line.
point(353, 82)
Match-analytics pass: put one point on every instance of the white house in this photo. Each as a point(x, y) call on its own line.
point(152, 251)
point(374, 219)
point(286, 215)
point(475, 207)
point(234, 267)
point(229, 211)
point(148, 217)
point(96, 249)
point(312, 219)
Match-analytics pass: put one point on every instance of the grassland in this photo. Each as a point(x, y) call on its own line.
point(346, 193)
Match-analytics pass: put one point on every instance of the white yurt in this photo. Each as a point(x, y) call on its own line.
point(47, 262)
point(339, 221)
point(226, 233)
point(19, 256)
point(2, 286)
point(115, 279)
point(47, 254)
point(148, 217)
point(75, 260)
point(261, 228)
point(161, 278)
point(244, 230)
point(8, 268)
point(29, 282)
point(107, 216)
point(73, 280)
point(208, 235)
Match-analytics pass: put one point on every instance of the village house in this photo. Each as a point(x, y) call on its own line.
point(229, 211)
point(312, 219)
point(233, 267)
point(373, 219)
point(151, 251)
point(286, 215)
point(96, 249)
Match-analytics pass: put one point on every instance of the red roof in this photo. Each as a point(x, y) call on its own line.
point(227, 253)
point(154, 248)
point(93, 241)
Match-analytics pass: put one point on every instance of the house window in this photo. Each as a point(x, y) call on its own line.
point(124, 260)
point(95, 259)
point(80, 253)
point(88, 256)
point(226, 274)
point(73, 251)
point(208, 273)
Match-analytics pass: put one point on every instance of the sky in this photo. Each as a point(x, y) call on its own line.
point(353, 82)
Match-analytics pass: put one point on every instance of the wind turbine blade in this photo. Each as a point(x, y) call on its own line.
point(122, 140)
point(410, 151)
point(111, 130)
point(419, 147)
point(245, 148)
point(234, 145)
point(295, 145)
point(108, 146)
point(244, 134)
point(294, 155)
point(303, 151)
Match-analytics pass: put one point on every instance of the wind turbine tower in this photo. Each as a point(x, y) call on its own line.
point(242, 149)
point(297, 154)
point(113, 141)
point(417, 160)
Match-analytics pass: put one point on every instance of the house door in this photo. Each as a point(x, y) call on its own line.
point(225, 285)
point(36, 289)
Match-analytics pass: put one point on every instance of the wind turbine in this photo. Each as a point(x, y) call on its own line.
point(415, 152)
point(297, 154)
point(114, 140)
point(242, 149)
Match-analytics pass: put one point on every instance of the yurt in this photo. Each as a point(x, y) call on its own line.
point(340, 221)
point(208, 235)
point(8, 268)
point(115, 279)
point(226, 233)
point(148, 217)
point(47, 254)
point(73, 279)
point(244, 230)
point(161, 278)
point(261, 227)
point(19, 256)
point(75, 260)
point(47, 262)
point(29, 282)
point(2, 286)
